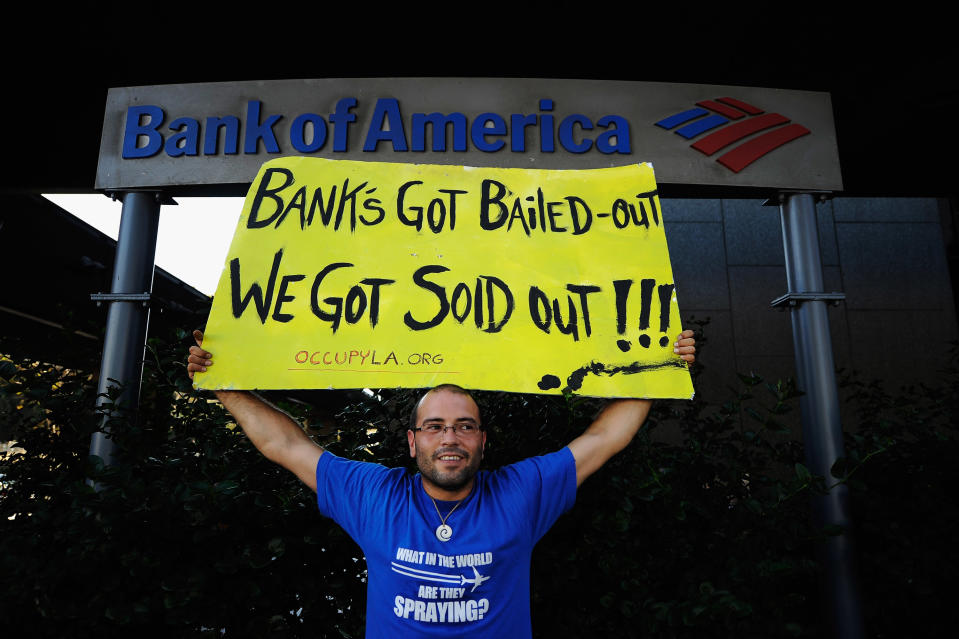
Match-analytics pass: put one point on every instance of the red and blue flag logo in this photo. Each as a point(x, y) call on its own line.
point(718, 115)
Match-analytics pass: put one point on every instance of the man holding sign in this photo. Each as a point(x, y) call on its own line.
point(363, 274)
point(448, 549)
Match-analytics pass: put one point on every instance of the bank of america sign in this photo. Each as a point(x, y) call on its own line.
point(173, 137)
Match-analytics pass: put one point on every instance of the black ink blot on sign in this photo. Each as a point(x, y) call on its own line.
point(548, 382)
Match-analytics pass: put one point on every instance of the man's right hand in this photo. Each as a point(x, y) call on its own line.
point(199, 359)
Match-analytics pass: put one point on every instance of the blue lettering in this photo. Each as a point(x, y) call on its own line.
point(439, 124)
point(298, 133)
point(211, 138)
point(135, 129)
point(387, 112)
point(437, 132)
point(480, 131)
point(341, 119)
point(547, 143)
point(256, 130)
point(187, 139)
point(620, 133)
point(566, 133)
point(518, 124)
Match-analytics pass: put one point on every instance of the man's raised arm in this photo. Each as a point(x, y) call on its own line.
point(618, 423)
point(273, 432)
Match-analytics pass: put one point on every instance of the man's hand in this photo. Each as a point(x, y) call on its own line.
point(272, 431)
point(684, 346)
point(619, 422)
point(199, 359)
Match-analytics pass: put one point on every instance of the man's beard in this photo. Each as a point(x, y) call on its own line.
point(448, 480)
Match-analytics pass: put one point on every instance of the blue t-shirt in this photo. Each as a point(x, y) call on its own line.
point(475, 583)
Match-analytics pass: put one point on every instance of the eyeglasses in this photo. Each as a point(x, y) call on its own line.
point(463, 429)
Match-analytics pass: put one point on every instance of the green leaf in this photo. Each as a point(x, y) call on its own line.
point(750, 379)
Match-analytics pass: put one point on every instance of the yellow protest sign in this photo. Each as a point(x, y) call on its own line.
point(347, 274)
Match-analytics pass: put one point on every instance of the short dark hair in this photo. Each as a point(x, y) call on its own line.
point(451, 388)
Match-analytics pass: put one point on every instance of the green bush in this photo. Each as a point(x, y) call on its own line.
point(700, 528)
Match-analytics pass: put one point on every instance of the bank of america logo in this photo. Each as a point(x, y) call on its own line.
point(716, 116)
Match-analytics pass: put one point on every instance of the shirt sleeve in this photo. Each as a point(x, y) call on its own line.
point(546, 486)
point(348, 491)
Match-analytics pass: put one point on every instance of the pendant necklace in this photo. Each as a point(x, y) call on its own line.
point(443, 531)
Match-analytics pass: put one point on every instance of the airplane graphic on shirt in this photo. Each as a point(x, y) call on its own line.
point(426, 575)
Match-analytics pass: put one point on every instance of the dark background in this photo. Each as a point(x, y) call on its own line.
point(892, 78)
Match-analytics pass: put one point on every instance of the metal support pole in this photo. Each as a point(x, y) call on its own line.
point(121, 368)
point(822, 430)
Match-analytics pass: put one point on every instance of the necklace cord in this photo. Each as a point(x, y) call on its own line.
point(442, 518)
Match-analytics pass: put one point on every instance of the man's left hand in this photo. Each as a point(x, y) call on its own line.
point(685, 346)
